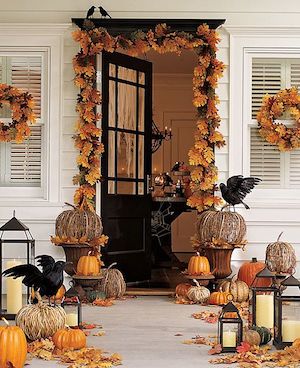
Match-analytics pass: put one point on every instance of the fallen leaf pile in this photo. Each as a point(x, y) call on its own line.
point(103, 302)
point(84, 358)
point(201, 340)
point(207, 316)
point(182, 300)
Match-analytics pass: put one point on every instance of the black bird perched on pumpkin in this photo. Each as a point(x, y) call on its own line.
point(90, 12)
point(103, 12)
point(236, 189)
point(176, 167)
point(47, 281)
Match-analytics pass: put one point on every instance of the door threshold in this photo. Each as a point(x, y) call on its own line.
point(150, 291)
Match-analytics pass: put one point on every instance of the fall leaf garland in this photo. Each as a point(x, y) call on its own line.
point(21, 104)
point(206, 74)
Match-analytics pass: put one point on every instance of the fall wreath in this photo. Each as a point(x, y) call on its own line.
point(203, 42)
point(21, 105)
point(273, 107)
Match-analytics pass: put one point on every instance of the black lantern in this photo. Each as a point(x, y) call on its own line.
point(14, 287)
point(287, 313)
point(263, 298)
point(72, 306)
point(230, 328)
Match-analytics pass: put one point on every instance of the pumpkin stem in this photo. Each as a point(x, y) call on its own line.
point(196, 282)
point(279, 236)
point(198, 254)
point(38, 296)
point(112, 265)
point(254, 260)
point(5, 321)
point(71, 205)
point(234, 278)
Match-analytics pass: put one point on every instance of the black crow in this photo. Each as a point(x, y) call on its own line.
point(90, 12)
point(236, 189)
point(103, 12)
point(176, 167)
point(46, 282)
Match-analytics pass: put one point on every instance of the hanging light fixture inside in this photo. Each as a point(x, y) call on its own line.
point(158, 136)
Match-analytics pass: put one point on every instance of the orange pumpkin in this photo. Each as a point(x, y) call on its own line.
point(88, 265)
point(198, 265)
point(69, 338)
point(182, 289)
point(13, 346)
point(219, 297)
point(248, 271)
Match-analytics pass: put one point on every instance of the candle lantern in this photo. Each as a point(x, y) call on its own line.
point(9, 245)
point(287, 313)
point(264, 289)
point(230, 328)
point(72, 306)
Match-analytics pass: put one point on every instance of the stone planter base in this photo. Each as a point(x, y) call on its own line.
point(219, 260)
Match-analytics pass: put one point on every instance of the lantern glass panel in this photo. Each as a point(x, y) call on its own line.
point(230, 335)
point(263, 308)
point(290, 321)
point(72, 314)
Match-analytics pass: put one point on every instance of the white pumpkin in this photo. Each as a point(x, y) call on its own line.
point(198, 293)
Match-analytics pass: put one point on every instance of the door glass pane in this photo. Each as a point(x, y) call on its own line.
point(112, 104)
point(127, 74)
point(141, 109)
point(141, 188)
point(111, 187)
point(112, 70)
point(125, 187)
point(126, 152)
point(141, 78)
point(111, 154)
point(141, 156)
point(126, 106)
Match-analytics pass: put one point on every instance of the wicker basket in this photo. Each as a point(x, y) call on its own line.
point(219, 260)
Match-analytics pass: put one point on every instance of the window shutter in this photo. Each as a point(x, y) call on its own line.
point(266, 78)
point(26, 74)
point(294, 172)
point(264, 160)
point(295, 74)
point(25, 159)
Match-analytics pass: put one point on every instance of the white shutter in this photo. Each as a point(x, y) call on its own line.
point(294, 170)
point(25, 159)
point(295, 73)
point(266, 78)
point(264, 160)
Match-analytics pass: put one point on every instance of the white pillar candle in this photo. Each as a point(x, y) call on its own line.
point(72, 319)
point(290, 330)
point(265, 311)
point(13, 290)
point(229, 339)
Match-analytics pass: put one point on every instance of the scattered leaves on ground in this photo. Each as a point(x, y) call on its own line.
point(207, 316)
point(244, 347)
point(201, 340)
point(217, 349)
point(99, 333)
point(103, 302)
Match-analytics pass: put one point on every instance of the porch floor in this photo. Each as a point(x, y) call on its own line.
point(143, 331)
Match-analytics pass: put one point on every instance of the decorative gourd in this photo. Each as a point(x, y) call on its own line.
point(281, 257)
point(252, 337)
point(68, 338)
point(248, 271)
point(112, 283)
point(220, 225)
point(94, 294)
point(88, 265)
point(237, 288)
point(182, 289)
point(39, 321)
point(13, 346)
point(198, 293)
point(219, 297)
point(264, 333)
point(198, 265)
point(78, 223)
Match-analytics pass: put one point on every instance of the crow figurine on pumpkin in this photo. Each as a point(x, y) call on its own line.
point(236, 189)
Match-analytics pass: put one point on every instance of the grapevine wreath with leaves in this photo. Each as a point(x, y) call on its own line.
point(204, 42)
point(273, 107)
point(21, 105)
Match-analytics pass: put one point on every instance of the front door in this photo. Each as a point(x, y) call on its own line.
point(126, 163)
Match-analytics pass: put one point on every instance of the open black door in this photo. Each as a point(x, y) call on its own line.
point(126, 163)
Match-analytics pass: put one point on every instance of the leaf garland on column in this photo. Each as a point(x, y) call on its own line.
point(206, 74)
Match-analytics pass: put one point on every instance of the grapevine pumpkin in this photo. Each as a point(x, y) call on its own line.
point(237, 288)
point(69, 338)
point(281, 257)
point(112, 283)
point(78, 223)
point(264, 333)
point(88, 265)
point(182, 289)
point(252, 337)
point(220, 225)
point(198, 293)
point(249, 270)
point(198, 265)
point(219, 297)
point(13, 346)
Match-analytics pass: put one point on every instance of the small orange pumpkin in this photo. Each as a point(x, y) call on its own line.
point(248, 271)
point(13, 346)
point(182, 289)
point(88, 265)
point(219, 297)
point(198, 265)
point(69, 338)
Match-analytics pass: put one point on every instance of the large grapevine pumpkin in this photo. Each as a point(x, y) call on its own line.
point(237, 288)
point(220, 225)
point(249, 270)
point(219, 297)
point(68, 338)
point(198, 265)
point(112, 283)
point(13, 347)
point(182, 289)
point(88, 265)
point(281, 257)
point(198, 293)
